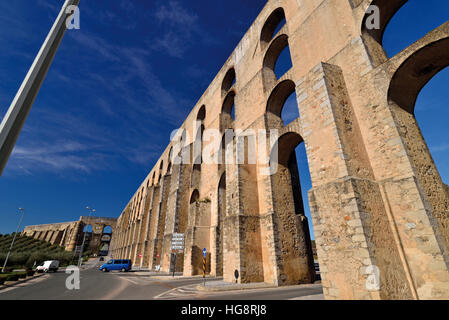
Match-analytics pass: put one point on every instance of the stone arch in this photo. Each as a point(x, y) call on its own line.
point(373, 38)
point(291, 226)
point(228, 108)
point(201, 115)
point(195, 196)
point(271, 24)
point(228, 81)
point(406, 84)
point(199, 130)
point(416, 72)
point(270, 59)
point(276, 102)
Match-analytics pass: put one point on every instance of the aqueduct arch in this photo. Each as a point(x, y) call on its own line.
point(378, 212)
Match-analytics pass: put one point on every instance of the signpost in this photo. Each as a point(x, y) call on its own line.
point(204, 265)
point(177, 245)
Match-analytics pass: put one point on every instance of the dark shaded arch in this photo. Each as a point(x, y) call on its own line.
point(387, 11)
point(195, 196)
point(270, 26)
point(416, 72)
point(278, 97)
point(285, 145)
point(291, 224)
point(228, 81)
point(270, 59)
point(228, 104)
point(373, 38)
point(201, 115)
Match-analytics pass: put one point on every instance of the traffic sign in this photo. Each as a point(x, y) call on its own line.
point(140, 255)
point(177, 241)
point(204, 252)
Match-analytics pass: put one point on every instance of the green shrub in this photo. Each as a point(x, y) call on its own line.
point(22, 275)
point(8, 269)
point(2, 280)
point(12, 277)
point(30, 273)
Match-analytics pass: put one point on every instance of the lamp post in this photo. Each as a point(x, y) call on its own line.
point(91, 211)
point(13, 239)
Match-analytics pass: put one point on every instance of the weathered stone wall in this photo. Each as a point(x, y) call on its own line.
point(379, 207)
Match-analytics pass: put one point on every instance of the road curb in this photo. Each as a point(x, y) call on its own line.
point(11, 284)
point(170, 278)
point(259, 285)
point(200, 287)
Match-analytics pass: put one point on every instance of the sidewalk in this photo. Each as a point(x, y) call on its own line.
point(220, 285)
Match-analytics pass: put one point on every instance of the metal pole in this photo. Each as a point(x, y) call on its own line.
point(174, 266)
point(84, 239)
point(17, 113)
point(13, 239)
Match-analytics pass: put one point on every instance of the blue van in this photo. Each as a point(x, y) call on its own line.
point(116, 264)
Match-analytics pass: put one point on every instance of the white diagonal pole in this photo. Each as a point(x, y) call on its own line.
point(17, 113)
point(13, 239)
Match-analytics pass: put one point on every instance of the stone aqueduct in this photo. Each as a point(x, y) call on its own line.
point(378, 204)
point(70, 234)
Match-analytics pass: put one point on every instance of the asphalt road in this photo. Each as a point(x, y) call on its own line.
point(95, 285)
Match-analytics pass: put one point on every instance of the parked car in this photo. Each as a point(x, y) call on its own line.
point(49, 265)
point(123, 265)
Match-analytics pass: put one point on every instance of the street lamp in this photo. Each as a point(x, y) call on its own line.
point(13, 239)
point(91, 211)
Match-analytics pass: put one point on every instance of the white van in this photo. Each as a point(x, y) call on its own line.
point(49, 265)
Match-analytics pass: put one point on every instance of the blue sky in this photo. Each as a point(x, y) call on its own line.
point(125, 80)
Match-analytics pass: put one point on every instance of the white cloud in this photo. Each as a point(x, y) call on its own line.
point(440, 148)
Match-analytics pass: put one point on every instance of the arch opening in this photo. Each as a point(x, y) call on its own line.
point(411, 22)
point(228, 81)
point(290, 185)
point(282, 105)
point(272, 26)
point(272, 56)
point(228, 109)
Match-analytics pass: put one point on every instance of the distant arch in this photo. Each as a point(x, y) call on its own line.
point(107, 229)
